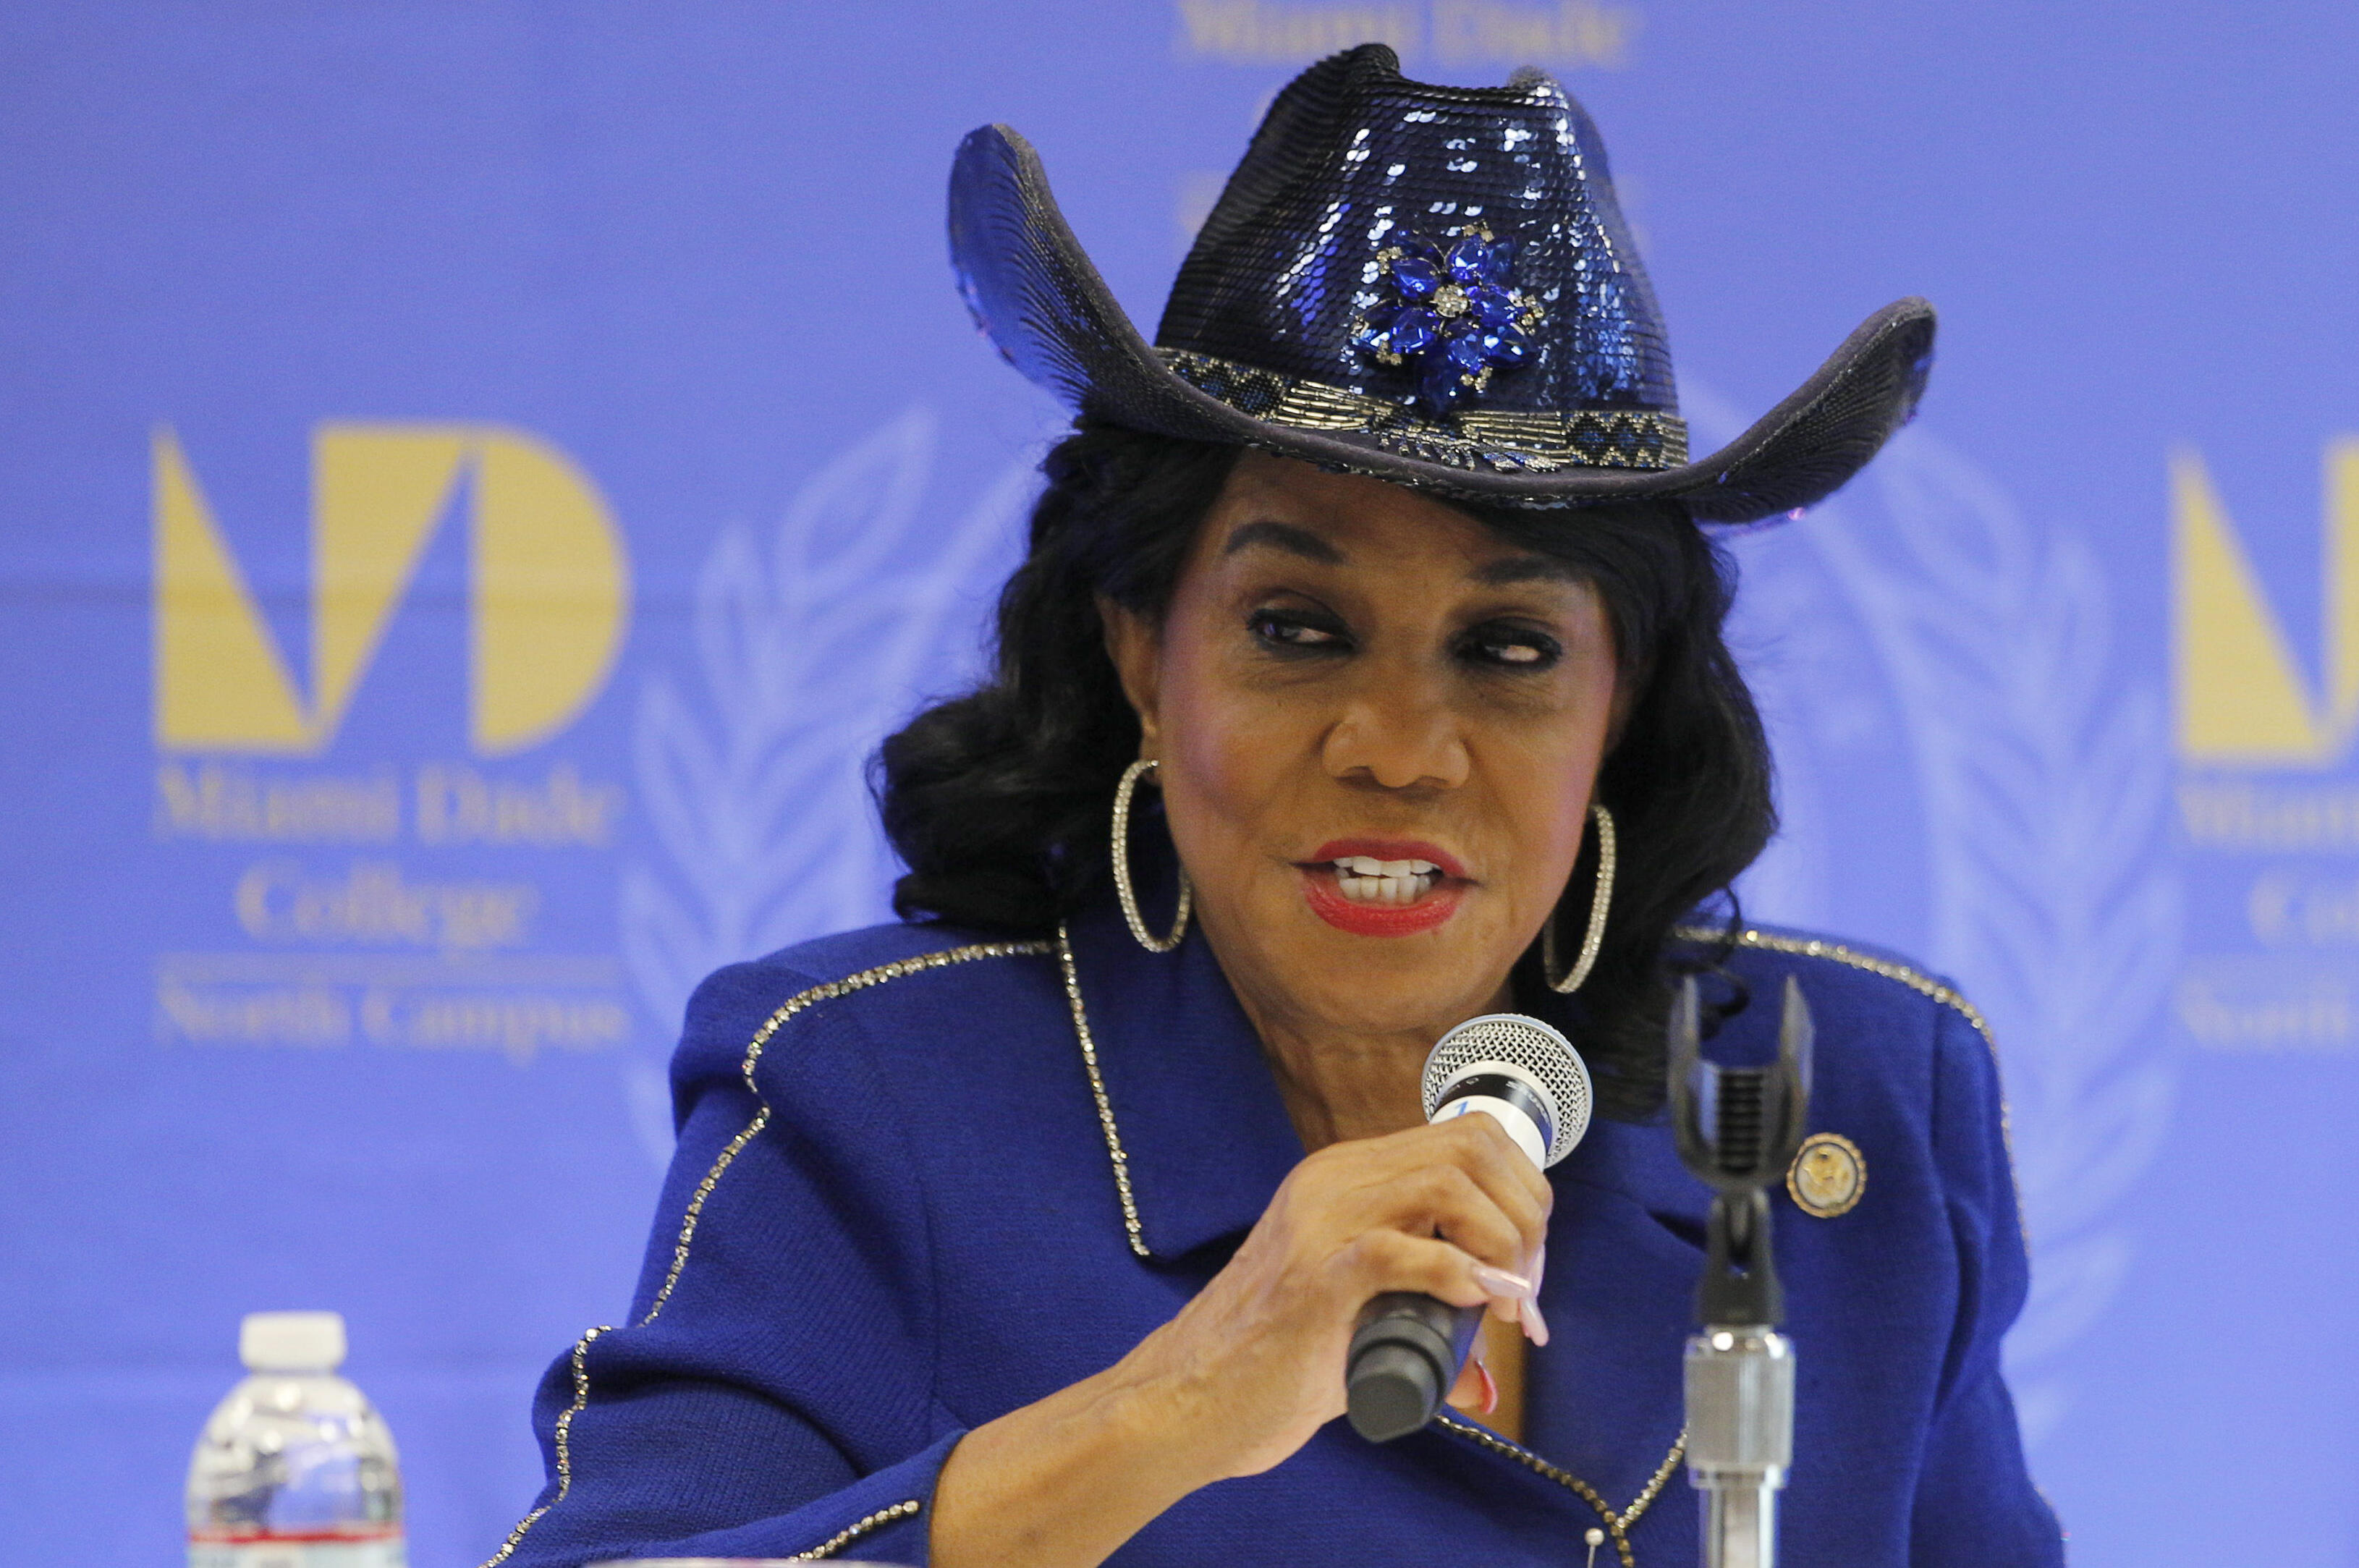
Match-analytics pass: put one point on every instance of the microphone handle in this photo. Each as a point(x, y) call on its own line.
point(1406, 1354)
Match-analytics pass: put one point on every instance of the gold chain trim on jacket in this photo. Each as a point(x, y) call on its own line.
point(562, 1432)
point(1098, 1092)
point(1509, 440)
point(770, 1026)
point(853, 1532)
point(1617, 1525)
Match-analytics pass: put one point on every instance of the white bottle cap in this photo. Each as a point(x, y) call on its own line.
point(291, 1342)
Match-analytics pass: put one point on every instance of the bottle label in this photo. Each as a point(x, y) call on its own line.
point(298, 1549)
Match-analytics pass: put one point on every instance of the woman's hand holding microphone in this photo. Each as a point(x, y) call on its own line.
point(1255, 1364)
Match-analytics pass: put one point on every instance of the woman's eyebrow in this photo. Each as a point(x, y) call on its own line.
point(1524, 569)
point(1285, 537)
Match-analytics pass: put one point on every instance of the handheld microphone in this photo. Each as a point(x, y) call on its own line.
point(1409, 1347)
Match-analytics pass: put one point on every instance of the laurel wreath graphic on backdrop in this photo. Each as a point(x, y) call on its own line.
point(2043, 769)
point(811, 644)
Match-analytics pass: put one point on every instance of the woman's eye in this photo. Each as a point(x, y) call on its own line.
point(1514, 647)
point(1290, 630)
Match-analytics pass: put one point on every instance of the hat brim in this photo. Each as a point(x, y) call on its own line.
point(1038, 298)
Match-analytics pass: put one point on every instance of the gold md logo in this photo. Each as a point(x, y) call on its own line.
point(549, 589)
point(2243, 700)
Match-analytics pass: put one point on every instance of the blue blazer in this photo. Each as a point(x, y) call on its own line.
point(923, 1180)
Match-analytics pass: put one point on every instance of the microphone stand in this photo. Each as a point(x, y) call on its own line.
point(1738, 1128)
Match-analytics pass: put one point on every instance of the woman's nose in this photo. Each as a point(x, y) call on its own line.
point(1397, 733)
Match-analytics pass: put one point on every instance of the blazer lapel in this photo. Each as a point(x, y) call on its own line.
point(1604, 1397)
point(1206, 1137)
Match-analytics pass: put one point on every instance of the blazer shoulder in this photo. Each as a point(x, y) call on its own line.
point(1857, 976)
point(1893, 1038)
point(742, 1005)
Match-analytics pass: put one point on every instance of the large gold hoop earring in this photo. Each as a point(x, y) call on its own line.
point(1122, 889)
point(1592, 938)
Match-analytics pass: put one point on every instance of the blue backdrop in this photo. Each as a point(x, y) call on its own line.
point(480, 476)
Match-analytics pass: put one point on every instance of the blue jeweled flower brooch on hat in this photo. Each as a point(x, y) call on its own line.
point(1428, 285)
point(1453, 313)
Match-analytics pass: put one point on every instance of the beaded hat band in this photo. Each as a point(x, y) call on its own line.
point(1531, 440)
point(1428, 285)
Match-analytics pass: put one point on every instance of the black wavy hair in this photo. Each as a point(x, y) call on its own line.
point(999, 800)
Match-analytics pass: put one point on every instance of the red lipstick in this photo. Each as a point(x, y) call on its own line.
point(1430, 910)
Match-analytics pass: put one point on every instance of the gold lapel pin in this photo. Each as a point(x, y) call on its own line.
point(1828, 1175)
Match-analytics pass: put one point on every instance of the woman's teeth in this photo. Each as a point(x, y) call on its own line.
point(1371, 881)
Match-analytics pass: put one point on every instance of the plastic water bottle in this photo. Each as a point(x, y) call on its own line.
point(295, 1469)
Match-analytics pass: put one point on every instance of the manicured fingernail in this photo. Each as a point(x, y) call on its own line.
point(1490, 1388)
point(1499, 1282)
point(1540, 1265)
point(1534, 1325)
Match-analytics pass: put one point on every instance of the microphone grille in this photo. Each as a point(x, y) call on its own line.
point(1519, 1042)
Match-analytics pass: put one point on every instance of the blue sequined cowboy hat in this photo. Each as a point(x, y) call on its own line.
point(1427, 285)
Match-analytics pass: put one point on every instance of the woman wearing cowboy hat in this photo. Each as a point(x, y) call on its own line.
point(1365, 674)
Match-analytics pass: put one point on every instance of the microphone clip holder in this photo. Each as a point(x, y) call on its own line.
point(1738, 1128)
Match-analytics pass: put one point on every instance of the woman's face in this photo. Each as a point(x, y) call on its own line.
point(1378, 725)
